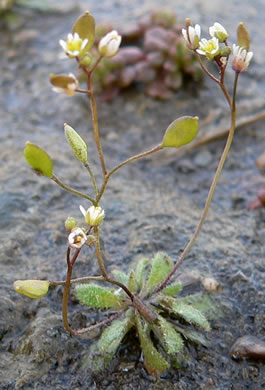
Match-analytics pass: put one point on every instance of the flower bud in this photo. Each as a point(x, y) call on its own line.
point(77, 238)
point(93, 216)
point(32, 288)
point(218, 31)
point(192, 36)
point(70, 224)
point(109, 45)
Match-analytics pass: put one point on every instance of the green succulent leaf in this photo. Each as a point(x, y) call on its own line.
point(85, 28)
point(98, 297)
point(243, 39)
point(173, 289)
point(112, 336)
point(132, 283)
point(167, 336)
point(154, 362)
point(180, 132)
point(161, 266)
point(77, 144)
point(120, 276)
point(38, 159)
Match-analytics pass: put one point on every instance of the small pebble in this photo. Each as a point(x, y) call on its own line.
point(260, 162)
point(203, 159)
point(210, 284)
point(248, 347)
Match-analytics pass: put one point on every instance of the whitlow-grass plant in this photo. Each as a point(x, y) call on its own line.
point(146, 296)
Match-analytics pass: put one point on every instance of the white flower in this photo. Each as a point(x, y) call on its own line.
point(77, 238)
point(93, 216)
point(74, 46)
point(209, 48)
point(218, 31)
point(241, 58)
point(109, 45)
point(68, 87)
point(192, 36)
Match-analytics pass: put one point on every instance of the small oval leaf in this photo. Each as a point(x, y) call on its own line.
point(85, 28)
point(38, 159)
point(32, 288)
point(243, 39)
point(77, 144)
point(180, 132)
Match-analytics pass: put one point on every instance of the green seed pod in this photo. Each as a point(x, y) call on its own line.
point(77, 144)
point(243, 39)
point(32, 288)
point(85, 28)
point(38, 159)
point(180, 132)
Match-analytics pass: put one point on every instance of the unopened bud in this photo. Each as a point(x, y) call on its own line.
point(70, 224)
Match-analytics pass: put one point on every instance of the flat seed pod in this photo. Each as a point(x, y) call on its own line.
point(32, 288)
point(38, 159)
point(85, 28)
point(180, 132)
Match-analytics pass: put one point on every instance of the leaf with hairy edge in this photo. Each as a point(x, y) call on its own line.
point(191, 315)
point(38, 159)
point(132, 283)
point(120, 276)
point(154, 362)
point(140, 270)
point(85, 28)
point(112, 336)
point(167, 336)
point(98, 297)
point(173, 289)
point(204, 303)
point(180, 132)
point(161, 266)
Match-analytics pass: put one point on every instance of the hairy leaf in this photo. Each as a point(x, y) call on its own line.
point(204, 303)
point(132, 283)
point(172, 289)
point(153, 360)
point(77, 144)
point(140, 271)
point(98, 297)
point(112, 336)
point(167, 336)
point(191, 315)
point(120, 276)
point(161, 266)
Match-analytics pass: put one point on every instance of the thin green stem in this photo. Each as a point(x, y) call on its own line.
point(94, 113)
point(92, 176)
point(69, 189)
point(122, 164)
point(211, 191)
point(76, 280)
point(99, 254)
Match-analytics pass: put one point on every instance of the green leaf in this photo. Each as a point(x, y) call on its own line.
point(204, 303)
point(77, 144)
point(132, 283)
point(98, 297)
point(191, 315)
point(112, 336)
point(120, 276)
point(161, 266)
point(180, 132)
point(173, 289)
point(38, 159)
point(85, 28)
point(192, 335)
point(154, 362)
point(243, 39)
point(140, 270)
point(167, 336)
